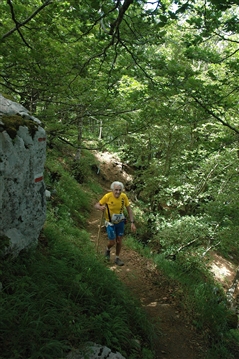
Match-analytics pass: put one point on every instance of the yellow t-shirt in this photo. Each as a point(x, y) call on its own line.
point(116, 205)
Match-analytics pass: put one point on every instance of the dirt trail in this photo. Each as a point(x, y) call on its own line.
point(176, 337)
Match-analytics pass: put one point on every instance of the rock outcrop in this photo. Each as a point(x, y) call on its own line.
point(22, 188)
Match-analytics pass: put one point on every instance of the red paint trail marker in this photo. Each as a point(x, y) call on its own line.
point(38, 178)
point(40, 139)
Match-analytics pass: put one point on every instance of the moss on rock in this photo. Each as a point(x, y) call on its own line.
point(12, 124)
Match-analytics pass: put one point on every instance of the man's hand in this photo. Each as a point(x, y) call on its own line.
point(100, 207)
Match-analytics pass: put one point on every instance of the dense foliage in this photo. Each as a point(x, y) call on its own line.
point(156, 80)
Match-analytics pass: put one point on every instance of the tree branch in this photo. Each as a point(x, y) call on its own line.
point(224, 123)
point(20, 24)
point(136, 61)
point(122, 10)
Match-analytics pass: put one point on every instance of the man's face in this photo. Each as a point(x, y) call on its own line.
point(117, 191)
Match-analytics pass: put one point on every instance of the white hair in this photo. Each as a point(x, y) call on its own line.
point(116, 183)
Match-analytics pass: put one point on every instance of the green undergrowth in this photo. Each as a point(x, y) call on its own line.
point(201, 297)
point(180, 246)
point(61, 295)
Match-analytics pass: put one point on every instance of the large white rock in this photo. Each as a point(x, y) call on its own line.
point(94, 351)
point(22, 188)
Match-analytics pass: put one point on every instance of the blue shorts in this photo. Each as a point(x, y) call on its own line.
point(117, 230)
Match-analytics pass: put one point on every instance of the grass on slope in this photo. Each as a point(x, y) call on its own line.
point(59, 295)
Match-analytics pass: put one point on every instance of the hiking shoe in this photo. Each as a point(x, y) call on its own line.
point(107, 255)
point(119, 262)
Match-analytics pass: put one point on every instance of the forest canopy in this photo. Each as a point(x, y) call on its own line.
point(155, 80)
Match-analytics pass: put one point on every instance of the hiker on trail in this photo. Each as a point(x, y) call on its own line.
point(113, 203)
